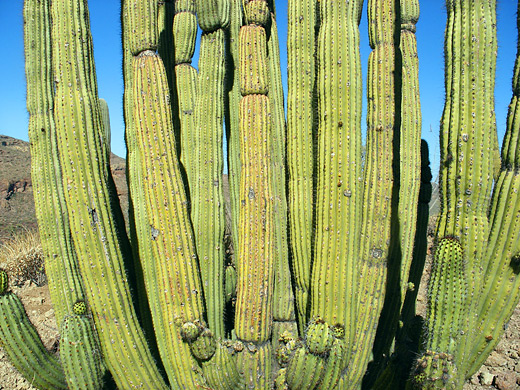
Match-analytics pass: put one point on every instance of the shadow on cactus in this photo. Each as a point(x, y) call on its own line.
point(329, 241)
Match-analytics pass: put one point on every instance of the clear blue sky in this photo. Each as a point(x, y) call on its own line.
point(106, 32)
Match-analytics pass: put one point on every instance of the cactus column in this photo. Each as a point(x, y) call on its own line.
point(382, 120)
point(255, 260)
point(468, 132)
point(207, 199)
point(90, 211)
point(301, 123)
point(339, 192)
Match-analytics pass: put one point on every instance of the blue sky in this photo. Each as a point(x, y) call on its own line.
point(106, 32)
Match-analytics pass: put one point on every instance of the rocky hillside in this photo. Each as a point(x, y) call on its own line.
point(16, 191)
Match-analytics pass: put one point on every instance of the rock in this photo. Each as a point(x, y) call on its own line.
point(506, 381)
point(486, 378)
point(496, 360)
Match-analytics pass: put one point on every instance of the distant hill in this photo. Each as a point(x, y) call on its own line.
point(16, 191)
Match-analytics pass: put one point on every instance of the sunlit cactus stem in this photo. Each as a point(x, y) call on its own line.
point(383, 121)
point(90, 210)
point(301, 123)
point(206, 186)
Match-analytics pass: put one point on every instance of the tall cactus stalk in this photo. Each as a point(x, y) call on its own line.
point(336, 243)
point(206, 186)
point(301, 120)
point(255, 260)
point(382, 121)
point(339, 192)
point(60, 258)
point(283, 311)
point(467, 138)
point(95, 233)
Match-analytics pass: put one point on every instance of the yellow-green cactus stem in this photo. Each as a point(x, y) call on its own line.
point(204, 346)
point(301, 122)
point(253, 67)
point(79, 308)
point(283, 293)
point(447, 293)
point(25, 350)
point(468, 129)
point(254, 308)
point(206, 185)
point(4, 282)
point(501, 292)
point(280, 382)
point(319, 337)
point(338, 190)
point(256, 12)
point(339, 194)
point(410, 138)
point(141, 246)
point(335, 363)
point(254, 365)
point(172, 281)
point(212, 14)
point(79, 354)
point(305, 370)
point(184, 36)
point(97, 240)
point(232, 117)
point(61, 267)
point(221, 370)
point(231, 282)
point(103, 107)
point(382, 121)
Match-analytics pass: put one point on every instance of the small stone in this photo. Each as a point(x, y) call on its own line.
point(495, 360)
point(506, 381)
point(486, 378)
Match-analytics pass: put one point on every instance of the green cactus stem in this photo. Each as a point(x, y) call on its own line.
point(206, 186)
point(501, 291)
point(21, 343)
point(283, 310)
point(301, 122)
point(232, 118)
point(172, 282)
point(382, 121)
point(80, 355)
point(97, 237)
point(468, 132)
point(212, 14)
point(103, 107)
point(61, 267)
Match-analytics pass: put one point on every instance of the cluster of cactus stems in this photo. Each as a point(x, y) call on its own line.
point(327, 245)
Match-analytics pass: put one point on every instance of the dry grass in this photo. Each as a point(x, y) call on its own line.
point(22, 258)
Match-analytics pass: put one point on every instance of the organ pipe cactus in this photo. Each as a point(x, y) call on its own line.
point(328, 246)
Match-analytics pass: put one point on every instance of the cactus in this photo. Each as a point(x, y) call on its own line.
point(320, 290)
